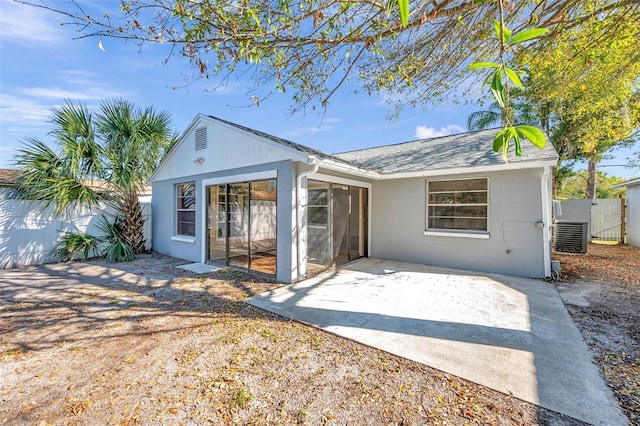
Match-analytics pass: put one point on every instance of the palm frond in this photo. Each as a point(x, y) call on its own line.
point(480, 120)
point(75, 246)
point(44, 177)
point(74, 134)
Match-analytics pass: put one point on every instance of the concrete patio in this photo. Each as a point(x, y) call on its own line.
point(510, 334)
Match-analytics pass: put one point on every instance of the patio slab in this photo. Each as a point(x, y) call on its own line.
point(510, 334)
point(199, 268)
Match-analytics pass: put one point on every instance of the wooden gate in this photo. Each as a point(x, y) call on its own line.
point(607, 219)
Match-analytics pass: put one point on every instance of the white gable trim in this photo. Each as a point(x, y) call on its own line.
point(202, 119)
point(627, 184)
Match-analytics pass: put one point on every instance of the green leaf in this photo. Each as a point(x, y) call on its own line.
point(403, 8)
point(506, 33)
point(392, 4)
point(478, 65)
point(516, 138)
point(496, 27)
point(526, 35)
point(533, 134)
point(501, 141)
point(514, 77)
point(497, 89)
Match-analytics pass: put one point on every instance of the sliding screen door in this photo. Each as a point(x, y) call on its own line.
point(336, 224)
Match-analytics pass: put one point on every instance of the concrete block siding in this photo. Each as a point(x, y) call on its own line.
point(513, 246)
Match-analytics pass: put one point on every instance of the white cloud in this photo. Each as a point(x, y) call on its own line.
point(18, 109)
point(31, 106)
point(86, 93)
point(29, 25)
point(424, 132)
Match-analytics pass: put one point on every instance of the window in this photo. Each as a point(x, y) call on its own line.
point(459, 205)
point(186, 209)
point(318, 205)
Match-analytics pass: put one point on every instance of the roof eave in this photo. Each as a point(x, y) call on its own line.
point(626, 184)
point(348, 168)
point(519, 165)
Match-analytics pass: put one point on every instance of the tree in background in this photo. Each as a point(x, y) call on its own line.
point(573, 187)
point(524, 113)
point(102, 157)
point(587, 76)
point(581, 87)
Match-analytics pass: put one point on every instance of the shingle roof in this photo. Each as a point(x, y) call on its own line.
point(461, 150)
point(8, 176)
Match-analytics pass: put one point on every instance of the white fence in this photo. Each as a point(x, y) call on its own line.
point(603, 216)
point(606, 219)
point(28, 232)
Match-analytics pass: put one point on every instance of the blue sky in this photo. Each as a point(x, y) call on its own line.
point(41, 66)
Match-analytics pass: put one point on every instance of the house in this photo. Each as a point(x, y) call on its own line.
point(633, 210)
point(8, 179)
point(232, 195)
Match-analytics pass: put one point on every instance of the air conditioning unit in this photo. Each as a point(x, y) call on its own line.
point(570, 237)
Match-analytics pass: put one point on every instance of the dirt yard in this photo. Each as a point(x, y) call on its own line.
point(602, 294)
point(146, 343)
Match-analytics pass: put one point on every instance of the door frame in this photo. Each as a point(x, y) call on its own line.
point(350, 182)
point(204, 210)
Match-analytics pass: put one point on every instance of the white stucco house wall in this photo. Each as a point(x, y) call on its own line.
point(633, 210)
point(231, 195)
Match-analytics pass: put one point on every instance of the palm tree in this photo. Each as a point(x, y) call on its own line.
point(521, 112)
point(119, 147)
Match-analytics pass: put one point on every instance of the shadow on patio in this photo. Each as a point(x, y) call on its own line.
point(510, 334)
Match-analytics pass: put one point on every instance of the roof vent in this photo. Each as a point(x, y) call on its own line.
point(570, 237)
point(201, 138)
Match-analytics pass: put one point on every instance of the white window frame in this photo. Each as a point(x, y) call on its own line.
point(318, 225)
point(177, 235)
point(467, 233)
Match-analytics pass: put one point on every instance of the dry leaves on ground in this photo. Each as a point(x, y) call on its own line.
point(142, 343)
point(608, 277)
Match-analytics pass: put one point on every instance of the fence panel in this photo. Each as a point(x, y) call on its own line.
point(28, 231)
point(606, 220)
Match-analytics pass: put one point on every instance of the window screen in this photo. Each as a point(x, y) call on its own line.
point(460, 205)
point(318, 205)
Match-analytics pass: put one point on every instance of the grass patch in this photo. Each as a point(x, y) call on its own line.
point(242, 398)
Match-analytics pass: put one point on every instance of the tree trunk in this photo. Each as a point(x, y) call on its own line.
point(133, 223)
point(591, 179)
